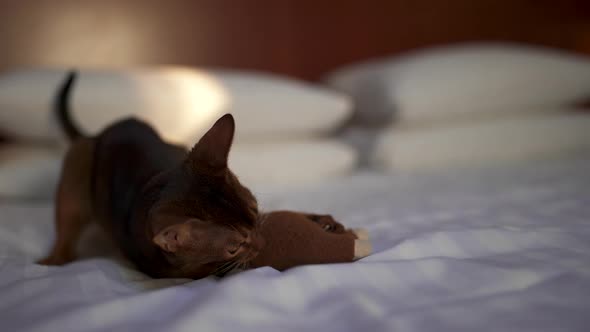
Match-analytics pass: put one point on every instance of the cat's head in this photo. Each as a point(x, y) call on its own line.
point(205, 221)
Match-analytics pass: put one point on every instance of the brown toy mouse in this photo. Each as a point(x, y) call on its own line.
point(293, 238)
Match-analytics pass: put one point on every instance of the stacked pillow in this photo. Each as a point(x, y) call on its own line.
point(282, 124)
point(470, 104)
point(483, 143)
point(28, 171)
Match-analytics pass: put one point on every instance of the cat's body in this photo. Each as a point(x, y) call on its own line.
point(172, 212)
point(135, 186)
point(126, 156)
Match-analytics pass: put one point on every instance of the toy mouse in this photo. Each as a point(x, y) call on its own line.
point(294, 238)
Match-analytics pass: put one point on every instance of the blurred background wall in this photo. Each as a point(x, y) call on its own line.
point(301, 38)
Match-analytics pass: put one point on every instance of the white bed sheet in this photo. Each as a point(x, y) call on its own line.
point(506, 249)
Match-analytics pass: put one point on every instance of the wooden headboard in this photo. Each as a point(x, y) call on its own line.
point(302, 38)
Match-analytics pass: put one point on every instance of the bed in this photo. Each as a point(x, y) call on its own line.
point(502, 247)
point(495, 249)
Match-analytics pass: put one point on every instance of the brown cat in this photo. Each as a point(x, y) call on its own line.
point(172, 212)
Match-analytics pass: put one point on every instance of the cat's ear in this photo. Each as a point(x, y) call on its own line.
point(212, 150)
point(170, 238)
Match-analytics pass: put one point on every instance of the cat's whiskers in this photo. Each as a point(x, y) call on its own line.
point(225, 268)
point(243, 265)
point(221, 267)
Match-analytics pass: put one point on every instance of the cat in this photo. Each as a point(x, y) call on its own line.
point(172, 212)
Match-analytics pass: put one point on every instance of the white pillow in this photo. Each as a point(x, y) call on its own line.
point(291, 164)
point(32, 172)
point(470, 80)
point(180, 103)
point(28, 172)
point(271, 106)
point(483, 143)
point(26, 103)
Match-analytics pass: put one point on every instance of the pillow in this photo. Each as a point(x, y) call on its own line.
point(271, 106)
point(483, 143)
point(26, 101)
point(180, 103)
point(28, 172)
point(291, 164)
point(471, 80)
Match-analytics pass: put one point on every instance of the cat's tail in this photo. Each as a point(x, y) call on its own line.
point(63, 109)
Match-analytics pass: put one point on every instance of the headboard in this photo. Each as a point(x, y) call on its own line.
point(301, 38)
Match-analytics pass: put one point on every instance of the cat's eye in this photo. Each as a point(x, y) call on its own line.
point(233, 251)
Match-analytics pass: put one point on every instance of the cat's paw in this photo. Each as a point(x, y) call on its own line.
point(362, 248)
point(328, 223)
point(360, 233)
point(55, 260)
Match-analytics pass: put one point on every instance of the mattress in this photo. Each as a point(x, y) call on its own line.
point(501, 249)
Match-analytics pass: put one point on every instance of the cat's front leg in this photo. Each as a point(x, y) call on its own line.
point(327, 222)
point(362, 245)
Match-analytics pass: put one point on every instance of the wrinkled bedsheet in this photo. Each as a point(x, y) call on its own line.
point(502, 249)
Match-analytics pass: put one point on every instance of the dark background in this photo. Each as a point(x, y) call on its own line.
point(301, 38)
